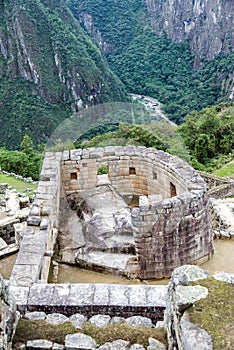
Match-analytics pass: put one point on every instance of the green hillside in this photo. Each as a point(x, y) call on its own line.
point(149, 64)
point(48, 68)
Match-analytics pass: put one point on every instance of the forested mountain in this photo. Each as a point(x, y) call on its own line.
point(180, 52)
point(49, 67)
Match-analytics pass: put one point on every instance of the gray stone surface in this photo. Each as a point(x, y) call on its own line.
point(8, 315)
point(137, 347)
point(39, 344)
point(58, 347)
point(35, 315)
point(194, 338)
point(224, 277)
point(139, 321)
point(100, 321)
point(3, 244)
point(117, 320)
point(78, 320)
point(160, 324)
point(188, 273)
point(116, 345)
point(79, 341)
point(188, 295)
point(154, 344)
point(85, 294)
point(56, 318)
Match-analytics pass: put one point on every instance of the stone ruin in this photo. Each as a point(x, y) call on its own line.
point(14, 210)
point(145, 217)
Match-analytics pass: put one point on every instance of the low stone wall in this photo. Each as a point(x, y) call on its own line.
point(33, 260)
point(92, 299)
point(222, 191)
point(19, 177)
point(218, 187)
point(213, 180)
point(181, 334)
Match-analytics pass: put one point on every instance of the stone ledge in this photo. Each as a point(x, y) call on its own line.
point(91, 299)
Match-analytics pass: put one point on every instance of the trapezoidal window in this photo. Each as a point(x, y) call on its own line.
point(73, 176)
point(103, 170)
point(172, 189)
point(132, 171)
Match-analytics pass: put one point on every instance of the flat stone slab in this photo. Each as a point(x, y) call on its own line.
point(139, 321)
point(39, 344)
point(77, 320)
point(79, 341)
point(89, 294)
point(116, 345)
point(154, 344)
point(195, 338)
point(100, 321)
point(56, 318)
point(90, 299)
point(35, 315)
point(188, 295)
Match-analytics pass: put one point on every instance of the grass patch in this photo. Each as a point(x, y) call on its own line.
point(29, 330)
point(226, 170)
point(18, 185)
point(135, 335)
point(215, 314)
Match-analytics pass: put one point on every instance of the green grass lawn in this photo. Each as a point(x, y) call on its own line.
point(226, 170)
point(215, 313)
point(19, 185)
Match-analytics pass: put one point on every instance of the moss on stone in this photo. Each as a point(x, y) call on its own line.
point(135, 335)
point(29, 330)
point(215, 314)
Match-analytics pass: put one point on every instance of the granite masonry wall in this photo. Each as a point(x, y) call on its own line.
point(218, 187)
point(28, 282)
point(171, 225)
point(38, 239)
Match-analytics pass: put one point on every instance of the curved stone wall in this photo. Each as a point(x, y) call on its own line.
point(171, 226)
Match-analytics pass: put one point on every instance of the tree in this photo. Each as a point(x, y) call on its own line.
point(27, 145)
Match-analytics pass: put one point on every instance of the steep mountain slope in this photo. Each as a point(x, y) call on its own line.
point(157, 46)
point(208, 25)
point(48, 68)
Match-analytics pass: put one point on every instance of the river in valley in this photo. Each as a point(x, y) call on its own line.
point(223, 260)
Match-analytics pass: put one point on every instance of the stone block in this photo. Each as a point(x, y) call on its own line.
point(79, 341)
point(39, 344)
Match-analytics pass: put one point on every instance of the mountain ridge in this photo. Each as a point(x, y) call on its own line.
point(44, 50)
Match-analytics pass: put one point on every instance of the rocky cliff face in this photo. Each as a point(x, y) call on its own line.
point(50, 53)
point(208, 25)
